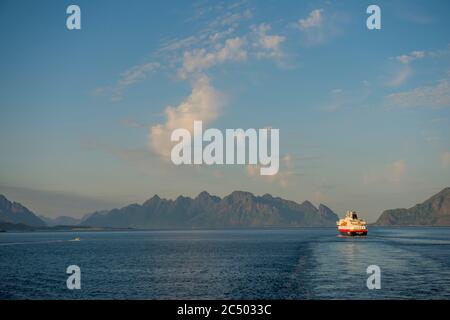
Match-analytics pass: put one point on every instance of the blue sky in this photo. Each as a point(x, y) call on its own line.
point(363, 114)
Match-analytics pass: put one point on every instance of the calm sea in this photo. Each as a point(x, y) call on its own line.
point(227, 264)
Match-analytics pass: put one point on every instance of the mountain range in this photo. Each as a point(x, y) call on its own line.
point(434, 211)
point(238, 209)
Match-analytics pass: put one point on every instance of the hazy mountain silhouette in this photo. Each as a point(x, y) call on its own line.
point(60, 221)
point(239, 209)
point(14, 212)
point(433, 212)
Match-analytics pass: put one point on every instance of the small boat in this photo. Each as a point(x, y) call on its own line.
point(351, 225)
point(76, 239)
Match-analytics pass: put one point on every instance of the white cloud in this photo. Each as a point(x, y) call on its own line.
point(221, 34)
point(128, 77)
point(404, 59)
point(225, 21)
point(392, 173)
point(201, 59)
point(320, 26)
point(267, 46)
point(402, 72)
point(204, 104)
point(408, 58)
point(232, 18)
point(211, 45)
point(445, 160)
point(312, 21)
point(437, 96)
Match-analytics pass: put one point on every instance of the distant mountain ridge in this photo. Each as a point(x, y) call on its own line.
point(15, 213)
point(238, 209)
point(434, 211)
point(60, 221)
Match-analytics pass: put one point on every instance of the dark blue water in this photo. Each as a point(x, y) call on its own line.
point(227, 264)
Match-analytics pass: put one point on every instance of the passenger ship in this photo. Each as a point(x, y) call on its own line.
point(351, 225)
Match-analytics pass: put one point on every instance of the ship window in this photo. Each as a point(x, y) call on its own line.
point(354, 216)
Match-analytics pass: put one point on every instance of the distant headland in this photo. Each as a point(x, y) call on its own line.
point(434, 211)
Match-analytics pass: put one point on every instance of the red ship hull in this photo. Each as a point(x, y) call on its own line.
point(348, 232)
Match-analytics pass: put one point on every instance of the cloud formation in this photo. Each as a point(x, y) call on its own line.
point(403, 71)
point(267, 46)
point(314, 20)
point(437, 96)
point(204, 103)
point(320, 26)
point(200, 59)
point(408, 58)
point(130, 76)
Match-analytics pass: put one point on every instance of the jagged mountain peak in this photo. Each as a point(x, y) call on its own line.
point(152, 200)
point(307, 204)
point(240, 195)
point(204, 194)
